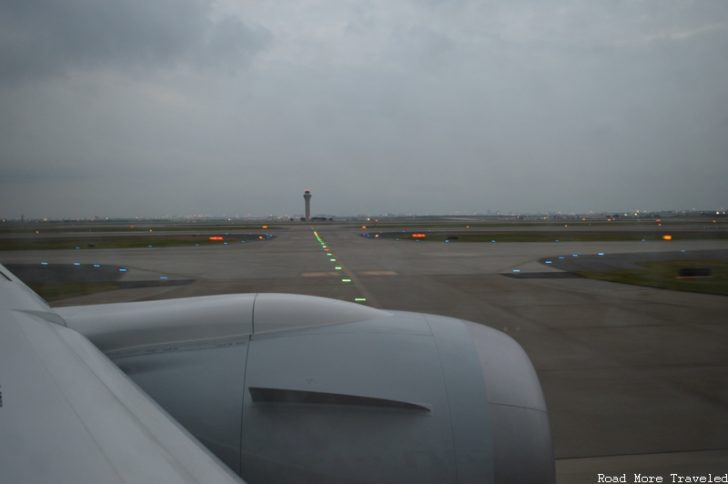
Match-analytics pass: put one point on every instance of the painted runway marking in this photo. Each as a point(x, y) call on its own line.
point(320, 274)
point(378, 273)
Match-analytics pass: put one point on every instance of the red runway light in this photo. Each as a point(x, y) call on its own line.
point(419, 235)
point(216, 237)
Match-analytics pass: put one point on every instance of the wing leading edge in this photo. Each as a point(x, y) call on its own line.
point(67, 414)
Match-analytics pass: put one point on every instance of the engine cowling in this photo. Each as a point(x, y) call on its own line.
point(288, 388)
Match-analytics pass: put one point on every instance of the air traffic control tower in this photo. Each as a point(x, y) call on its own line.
point(307, 197)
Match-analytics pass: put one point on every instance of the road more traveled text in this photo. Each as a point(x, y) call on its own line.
point(671, 478)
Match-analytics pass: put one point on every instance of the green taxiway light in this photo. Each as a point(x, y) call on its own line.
point(337, 268)
point(332, 260)
point(346, 280)
point(360, 299)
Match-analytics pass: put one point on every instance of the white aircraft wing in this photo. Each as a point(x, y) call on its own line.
point(69, 415)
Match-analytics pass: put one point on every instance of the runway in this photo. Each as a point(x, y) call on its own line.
point(634, 377)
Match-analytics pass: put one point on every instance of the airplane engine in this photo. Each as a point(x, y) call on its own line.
point(287, 388)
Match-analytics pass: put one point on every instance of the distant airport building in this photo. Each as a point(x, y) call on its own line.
point(307, 198)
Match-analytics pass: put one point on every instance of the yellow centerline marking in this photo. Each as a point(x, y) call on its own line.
point(349, 278)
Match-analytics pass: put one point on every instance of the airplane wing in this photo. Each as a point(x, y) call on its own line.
point(69, 415)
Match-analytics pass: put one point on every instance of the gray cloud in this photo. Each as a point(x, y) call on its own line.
point(44, 37)
point(230, 108)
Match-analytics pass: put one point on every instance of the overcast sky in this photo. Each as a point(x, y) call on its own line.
point(179, 107)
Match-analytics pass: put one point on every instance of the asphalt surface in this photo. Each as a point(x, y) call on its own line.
point(635, 378)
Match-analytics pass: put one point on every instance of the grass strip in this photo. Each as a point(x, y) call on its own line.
point(666, 275)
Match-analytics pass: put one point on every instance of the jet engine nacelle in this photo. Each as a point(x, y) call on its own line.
point(288, 388)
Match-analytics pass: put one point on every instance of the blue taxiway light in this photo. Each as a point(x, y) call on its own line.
point(574, 255)
point(44, 263)
point(562, 257)
point(600, 253)
point(516, 270)
point(163, 278)
point(123, 269)
point(76, 264)
point(548, 261)
point(97, 266)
